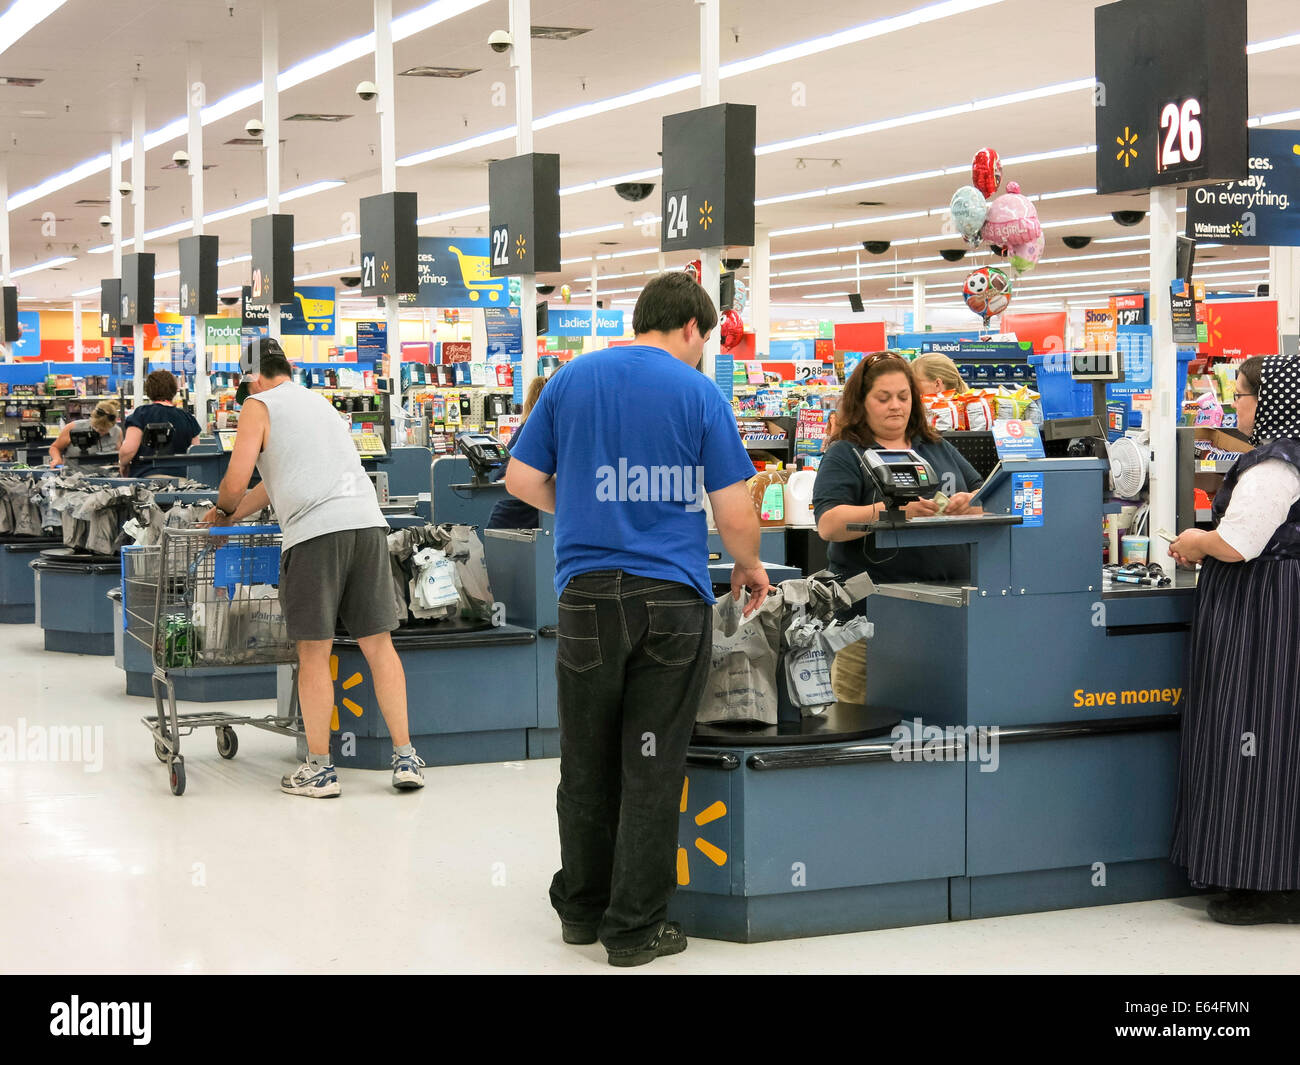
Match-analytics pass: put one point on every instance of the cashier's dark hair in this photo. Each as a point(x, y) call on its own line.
point(671, 300)
point(271, 359)
point(851, 418)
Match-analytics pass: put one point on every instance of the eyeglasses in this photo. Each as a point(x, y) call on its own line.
point(880, 356)
point(1245, 395)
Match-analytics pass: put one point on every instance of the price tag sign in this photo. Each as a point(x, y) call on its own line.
point(1170, 97)
point(523, 216)
point(708, 183)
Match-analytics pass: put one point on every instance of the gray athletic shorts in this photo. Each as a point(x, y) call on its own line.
point(341, 575)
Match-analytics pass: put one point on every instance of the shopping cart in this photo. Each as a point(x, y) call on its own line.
point(318, 314)
point(201, 599)
point(477, 275)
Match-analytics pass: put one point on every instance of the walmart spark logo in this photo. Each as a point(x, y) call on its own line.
point(716, 855)
point(348, 685)
point(384, 271)
point(521, 246)
point(1237, 229)
point(706, 215)
point(1127, 147)
point(1216, 334)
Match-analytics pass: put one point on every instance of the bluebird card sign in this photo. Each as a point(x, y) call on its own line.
point(389, 244)
point(1264, 208)
point(137, 288)
point(524, 215)
point(198, 256)
point(1170, 94)
point(10, 330)
point(273, 258)
point(708, 182)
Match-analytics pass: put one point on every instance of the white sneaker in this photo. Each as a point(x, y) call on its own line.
point(314, 781)
point(406, 771)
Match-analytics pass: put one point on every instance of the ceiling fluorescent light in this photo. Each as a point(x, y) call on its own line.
point(48, 264)
point(1273, 45)
point(449, 216)
point(23, 16)
point(591, 230)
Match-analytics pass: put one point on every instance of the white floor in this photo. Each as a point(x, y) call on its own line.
point(107, 872)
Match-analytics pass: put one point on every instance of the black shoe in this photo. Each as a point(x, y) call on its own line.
point(668, 940)
point(1256, 907)
point(578, 935)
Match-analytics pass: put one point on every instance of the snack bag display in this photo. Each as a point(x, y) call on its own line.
point(1208, 410)
point(943, 412)
point(979, 411)
point(1030, 404)
point(1005, 406)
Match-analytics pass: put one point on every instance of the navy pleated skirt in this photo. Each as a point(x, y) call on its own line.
point(1237, 821)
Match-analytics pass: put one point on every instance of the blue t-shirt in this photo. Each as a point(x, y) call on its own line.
point(635, 438)
point(184, 429)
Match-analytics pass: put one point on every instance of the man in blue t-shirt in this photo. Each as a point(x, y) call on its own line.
point(622, 448)
point(160, 389)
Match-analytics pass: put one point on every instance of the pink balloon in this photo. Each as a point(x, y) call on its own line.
point(1012, 220)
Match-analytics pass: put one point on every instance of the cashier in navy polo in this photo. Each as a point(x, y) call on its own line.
point(1237, 820)
point(881, 409)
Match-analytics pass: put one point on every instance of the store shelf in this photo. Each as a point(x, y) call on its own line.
point(767, 445)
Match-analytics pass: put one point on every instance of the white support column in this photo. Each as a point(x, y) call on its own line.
point(918, 304)
point(710, 94)
point(1166, 406)
point(594, 301)
point(760, 291)
point(521, 58)
point(271, 126)
point(76, 331)
point(386, 107)
point(196, 96)
point(138, 180)
point(5, 353)
point(1284, 286)
point(115, 204)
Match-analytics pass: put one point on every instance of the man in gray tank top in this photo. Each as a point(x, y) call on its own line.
point(334, 556)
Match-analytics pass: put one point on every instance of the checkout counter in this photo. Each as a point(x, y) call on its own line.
point(1018, 751)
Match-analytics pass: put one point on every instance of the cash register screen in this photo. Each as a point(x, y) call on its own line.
point(892, 458)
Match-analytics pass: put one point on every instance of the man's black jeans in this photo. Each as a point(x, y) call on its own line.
point(631, 665)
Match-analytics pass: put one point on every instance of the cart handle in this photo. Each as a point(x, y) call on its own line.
point(242, 530)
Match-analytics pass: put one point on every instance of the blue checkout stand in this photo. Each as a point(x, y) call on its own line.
point(18, 579)
point(846, 824)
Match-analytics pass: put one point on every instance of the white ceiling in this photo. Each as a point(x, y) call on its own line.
point(88, 53)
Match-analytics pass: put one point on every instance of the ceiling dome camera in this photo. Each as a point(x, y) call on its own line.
point(181, 158)
point(545, 290)
point(1077, 243)
point(254, 128)
point(952, 255)
point(125, 188)
point(1128, 218)
point(350, 282)
point(367, 90)
point(105, 221)
point(634, 191)
point(876, 247)
point(500, 41)
point(733, 264)
point(229, 301)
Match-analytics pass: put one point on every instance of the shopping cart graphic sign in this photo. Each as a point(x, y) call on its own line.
point(456, 272)
point(310, 314)
point(241, 564)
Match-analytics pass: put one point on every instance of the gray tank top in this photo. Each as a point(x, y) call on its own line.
point(105, 445)
point(312, 470)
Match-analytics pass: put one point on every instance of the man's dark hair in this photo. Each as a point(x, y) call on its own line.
point(671, 300)
point(271, 359)
point(160, 386)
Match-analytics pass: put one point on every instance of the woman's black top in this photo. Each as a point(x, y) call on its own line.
point(842, 480)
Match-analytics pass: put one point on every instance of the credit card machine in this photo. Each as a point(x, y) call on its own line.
point(901, 476)
point(486, 455)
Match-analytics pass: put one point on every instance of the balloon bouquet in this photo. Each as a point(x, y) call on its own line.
point(730, 322)
point(1010, 225)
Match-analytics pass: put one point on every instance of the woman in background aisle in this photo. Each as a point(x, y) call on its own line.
point(103, 421)
point(1237, 824)
point(937, 373)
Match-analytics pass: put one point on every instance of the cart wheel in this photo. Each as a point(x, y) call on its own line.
point(160, 751)
point(177, 773)
point(227, 741)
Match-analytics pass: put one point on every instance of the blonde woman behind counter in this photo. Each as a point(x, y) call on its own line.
point(103, 421)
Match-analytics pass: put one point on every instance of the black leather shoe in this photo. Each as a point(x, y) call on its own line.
point(1256, 907)
point(668, 940)
point(578, 935)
